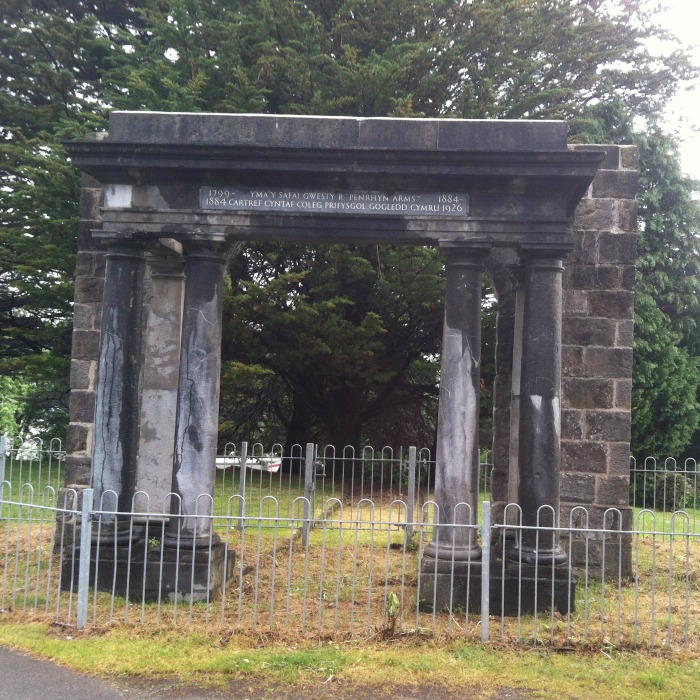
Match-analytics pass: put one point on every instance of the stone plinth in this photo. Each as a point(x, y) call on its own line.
point(517, 590)
point(142, 572)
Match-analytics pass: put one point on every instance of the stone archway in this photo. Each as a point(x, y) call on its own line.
point(178, 189)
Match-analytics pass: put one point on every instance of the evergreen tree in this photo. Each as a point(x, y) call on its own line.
point(344, 340)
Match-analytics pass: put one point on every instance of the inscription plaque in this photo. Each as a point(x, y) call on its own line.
point(306, 201)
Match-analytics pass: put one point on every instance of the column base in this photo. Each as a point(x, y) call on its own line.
point(439, 558)
point(143, 572)
point(512, 593)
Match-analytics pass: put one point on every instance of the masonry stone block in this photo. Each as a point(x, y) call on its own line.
point(619, 459)
point(588, 331)
point(612, 154)
point(623, 394)
point(611, 426)
point(625, 334)
point(577, 488)
point(89, 289)
point(595, 214)
point(616, 184)
point(608, 362)
point(84, 263)
point(82, 406)
point(86, 345)
point(618, 248)
point(81, 372)
point(77, 440)
point(611, 304)
point(627, 277)
point(592, 276)
point(575, 302)
point(578, 392)
point(629, 157)
point(572, 361)
point(90, 202)
point(83, 316)
point(585, 250)
point(584, 456)
point(625, 212)
point(77, 470)
point(571, 424)
point(612, 490)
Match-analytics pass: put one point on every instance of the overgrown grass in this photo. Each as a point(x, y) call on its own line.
point(212, 659)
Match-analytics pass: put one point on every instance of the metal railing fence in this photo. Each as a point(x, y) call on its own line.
point(354, 574)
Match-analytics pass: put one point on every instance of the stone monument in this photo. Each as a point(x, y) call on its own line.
point(164, 198)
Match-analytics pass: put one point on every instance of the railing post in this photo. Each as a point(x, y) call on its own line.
point(485, 566)
point(84, 560)
point(308, 491)
point(241, 484)
point(411, 500)
point(3, 452)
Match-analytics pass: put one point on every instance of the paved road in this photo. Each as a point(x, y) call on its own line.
point(23, 677)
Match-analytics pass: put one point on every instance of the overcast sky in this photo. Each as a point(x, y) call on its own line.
point(683, 17)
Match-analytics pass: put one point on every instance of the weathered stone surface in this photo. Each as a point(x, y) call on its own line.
point(616, 184)
point(89, 289)
point(629, 157)
point(84, 263)
point(575, 302)
point(611, 304)
point(77, 440)
point(90, 202)
point(81, 374)
point(623, 394)
point(619, 459)
point(594, 214)
point(612, 154)
point(618, 248)
point(625, 215)
point(82, 406)
point(86, 345)
point(585, 456)
point(579, 392)
point(625, 334)
point(608, 362)
point(77, 470)
point(588, 331)
point(627, 277)
point(83, 316)
point(611, 426)
point(572, 361)
point(577, 488)
point(592, 277)
point(337, 132)
point(612, 490)
point(571, 424)
point(585, 250)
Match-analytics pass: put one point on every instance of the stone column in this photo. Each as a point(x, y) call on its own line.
point(540, 406)
point(196, 429)
point(117, 394)
point(159, 382)
point(457, 458)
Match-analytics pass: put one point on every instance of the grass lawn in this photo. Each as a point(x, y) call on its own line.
point(323, 669)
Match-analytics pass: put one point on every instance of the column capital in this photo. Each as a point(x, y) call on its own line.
point(551, 251)
point(212, 251)
point(461, 254)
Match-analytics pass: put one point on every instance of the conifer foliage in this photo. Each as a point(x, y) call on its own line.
point(339, 343)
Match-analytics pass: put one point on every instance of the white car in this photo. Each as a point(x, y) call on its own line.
point(265, 464)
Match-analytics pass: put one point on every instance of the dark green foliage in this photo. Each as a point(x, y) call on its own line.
point(337, 344)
